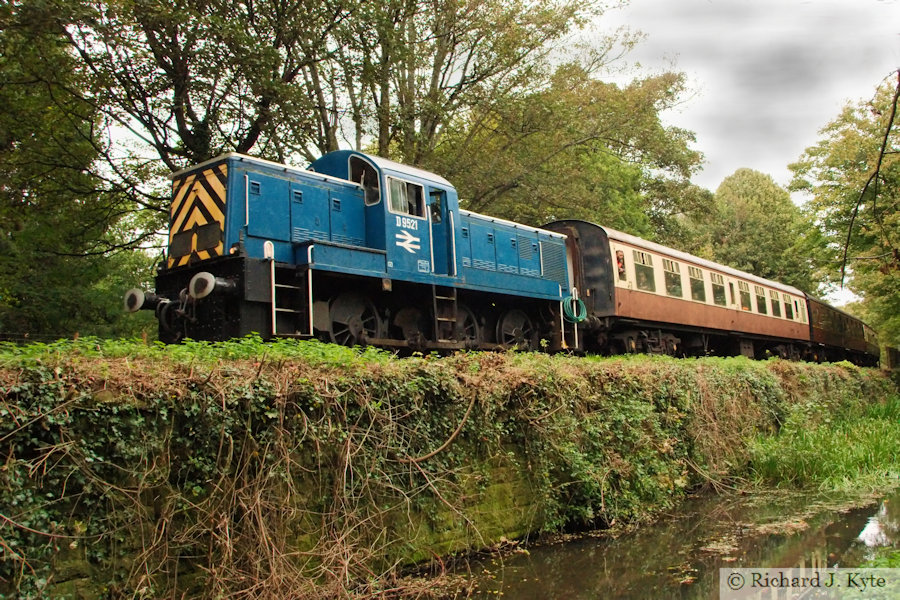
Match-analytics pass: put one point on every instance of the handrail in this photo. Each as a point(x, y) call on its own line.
point(309, 275)
point(430, 237)
point(246, 200)
point(453, 240)
point(269, 254)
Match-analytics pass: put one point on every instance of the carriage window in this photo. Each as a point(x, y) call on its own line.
point(698, 290)
point(406, 198)
point(643, 269)
point(365, 175)
point(802, 311)
point(788, 310)
point(776, 305)
point(760, 300)
point(745, 295)
point(718, 287)
point(620, 264)
point(672, 272)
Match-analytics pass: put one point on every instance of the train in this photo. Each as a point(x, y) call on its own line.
point(357, 249)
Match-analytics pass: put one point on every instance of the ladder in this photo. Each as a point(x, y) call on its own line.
point(288, 297)
point(445, 312)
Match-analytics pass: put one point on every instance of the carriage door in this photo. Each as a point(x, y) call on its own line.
point(441, 233)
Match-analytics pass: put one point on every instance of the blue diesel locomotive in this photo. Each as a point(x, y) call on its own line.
point(356, 249)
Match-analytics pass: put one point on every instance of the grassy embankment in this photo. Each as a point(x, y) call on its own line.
point(842, 447)
point(308, 470)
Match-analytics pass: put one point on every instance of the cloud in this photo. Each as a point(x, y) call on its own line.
point(770, 73)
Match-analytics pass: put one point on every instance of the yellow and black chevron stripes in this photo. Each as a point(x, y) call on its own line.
point(197, 216)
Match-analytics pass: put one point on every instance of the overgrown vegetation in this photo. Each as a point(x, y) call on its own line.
point(306, 470)
point(846, 446)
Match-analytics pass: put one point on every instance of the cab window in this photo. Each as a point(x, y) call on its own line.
point(437, 206)
point(406, 198)
point(363, 173)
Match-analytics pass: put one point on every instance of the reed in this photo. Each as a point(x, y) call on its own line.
point(844, 451)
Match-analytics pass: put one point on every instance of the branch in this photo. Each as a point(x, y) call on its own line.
point(874, 177)
point(449, 441)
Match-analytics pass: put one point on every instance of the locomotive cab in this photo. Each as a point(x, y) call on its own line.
point(411, 214)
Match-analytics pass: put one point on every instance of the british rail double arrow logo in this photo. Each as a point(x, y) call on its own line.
point(408, 241)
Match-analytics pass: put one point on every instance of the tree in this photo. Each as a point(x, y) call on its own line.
point(172, 84)
point(149, 87)
point(282, 78)
point(753, 225)
point(424, 63)
point(578, 148)
point(56, 223)
point(193, 78)
point(677, 209)
point(853, 177)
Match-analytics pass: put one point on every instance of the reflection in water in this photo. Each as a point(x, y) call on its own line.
point(883, 528)
point(679, 556)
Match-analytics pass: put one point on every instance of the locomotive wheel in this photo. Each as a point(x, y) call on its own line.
point(467, 327)
point(516, 329)
point(354, 319)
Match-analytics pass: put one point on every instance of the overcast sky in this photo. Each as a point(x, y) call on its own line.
point(767, 74)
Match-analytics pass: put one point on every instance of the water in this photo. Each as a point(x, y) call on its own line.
point(679, 556)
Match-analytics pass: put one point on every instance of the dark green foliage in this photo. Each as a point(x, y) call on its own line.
point(886, 558)
point(309, 470)
point(58, 219)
